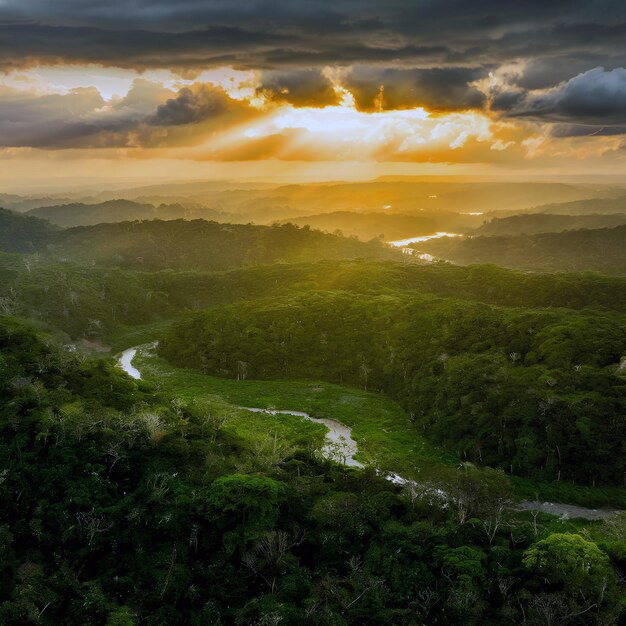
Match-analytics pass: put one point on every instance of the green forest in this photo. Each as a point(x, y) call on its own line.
point(121, 503)
point(472, 395)
point(532, 392)
point(180, 244)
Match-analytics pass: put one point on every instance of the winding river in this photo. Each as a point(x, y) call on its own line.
point(401, 243)
point(126, 363)
point(340, 447)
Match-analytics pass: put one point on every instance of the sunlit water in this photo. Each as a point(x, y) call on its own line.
point(126, 363)
point(401, 243)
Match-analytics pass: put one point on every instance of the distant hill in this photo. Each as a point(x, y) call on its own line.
point(198, 244)
point(266, 202)
point(81, 214)
point(602, 250)
point(405, 197)
point(389, 226)
point(588, 206)
point(534, 223)
point(183, 189)
point(21, 204)
point(22, 234)
point(368, 226)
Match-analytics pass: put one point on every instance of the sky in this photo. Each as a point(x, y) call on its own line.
point(292, 88)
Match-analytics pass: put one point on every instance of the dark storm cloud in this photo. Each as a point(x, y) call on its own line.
point(595, 99)
point(427, 52)
point(31, 44)
point(579, 130)
point(545, 72)
point(301, 87)
point(194, 34)
point(191, 106)
point(438, 88)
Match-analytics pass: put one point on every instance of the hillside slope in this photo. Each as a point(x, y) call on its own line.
point(198, 244)
point(584, 206)
point(602, 250)
point(80, 214)
point(389, 226)
point(180, 244)
point(22, 234)
point(535, 223)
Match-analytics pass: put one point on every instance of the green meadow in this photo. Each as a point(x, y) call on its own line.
point(385, 436)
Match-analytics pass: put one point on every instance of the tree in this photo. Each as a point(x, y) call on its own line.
point(244, 507)
point(577, 571)
point(569, 560)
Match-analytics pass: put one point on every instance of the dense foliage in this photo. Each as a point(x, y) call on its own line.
point(22, 234)
point(198, 244)
point(93, 302)
point(534, 392)
point(119, 506)
point(84, 302)
point(180, 244)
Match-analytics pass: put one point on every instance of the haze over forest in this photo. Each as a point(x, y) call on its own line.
point(312, 313)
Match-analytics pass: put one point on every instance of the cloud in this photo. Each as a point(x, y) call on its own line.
point(583, 130)
point(596, 97)
point(191, 105)
point(438, 89)
point(591, 103)
point(301, 87)
point(430, 53)
point(192, 35)
point(148, 115)
point(533, 64)
point(30, 44)
point(342, 133)
point(44, 120)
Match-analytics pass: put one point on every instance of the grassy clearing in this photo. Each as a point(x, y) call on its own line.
point(380, 427)
point(290, 429)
